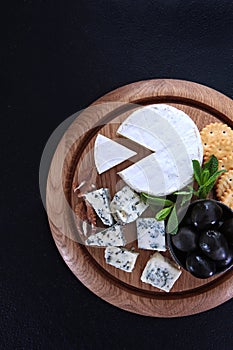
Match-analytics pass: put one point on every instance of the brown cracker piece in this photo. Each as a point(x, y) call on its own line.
point(213, 130)
point(225, 163)
point(227, 198)
point(213, 133)
point(220, 148)
point(224, 183)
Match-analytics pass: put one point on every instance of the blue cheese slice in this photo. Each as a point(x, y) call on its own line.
point(108, 153)
point(160, 272)
point(100, 201)
point(112, 236)
point(126, 205)
point(151, 234)
point(121, 258)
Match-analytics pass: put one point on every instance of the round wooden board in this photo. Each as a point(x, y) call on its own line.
point(73, 163)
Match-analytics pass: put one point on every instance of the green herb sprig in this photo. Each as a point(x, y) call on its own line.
point(205, 177)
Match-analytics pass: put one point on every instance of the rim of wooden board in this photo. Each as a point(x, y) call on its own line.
point(77, 257)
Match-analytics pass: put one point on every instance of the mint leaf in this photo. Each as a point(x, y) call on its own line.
point(214, 177)
point(163, 213)
point(205, 176)
point(211, 165)
point(155, 200)
point(207, 187)
point(202, 192)
point(182, 192)
point(186, 198)
point(185, 195)
point(172, 224)
point(197, 171)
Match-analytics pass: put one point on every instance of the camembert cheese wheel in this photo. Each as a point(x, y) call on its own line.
point(175, 140)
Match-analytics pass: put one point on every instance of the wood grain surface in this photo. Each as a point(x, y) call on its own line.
point(73, 164)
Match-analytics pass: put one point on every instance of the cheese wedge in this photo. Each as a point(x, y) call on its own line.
point(112, 236)
point(151, 234)
point(100, 201)
point(126, 206)
point(160, 272)
point(108, 153)
point(120, 258)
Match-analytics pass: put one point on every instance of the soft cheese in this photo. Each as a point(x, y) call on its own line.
point(108, 153)
point(183, 126)
point(159, 125)
point(158, 174)
point(151, 234)
point(121, 258)
point(126, 205)
point(112, 236)
point(174, 138)
point(160, 272)
point(100, 201)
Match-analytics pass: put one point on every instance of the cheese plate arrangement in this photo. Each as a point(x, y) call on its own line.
point(139, 198)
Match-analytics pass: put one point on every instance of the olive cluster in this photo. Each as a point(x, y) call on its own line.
point(204, 240)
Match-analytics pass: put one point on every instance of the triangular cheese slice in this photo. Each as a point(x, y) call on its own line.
point(112, 236)
point(108, 153)
point(100, 201)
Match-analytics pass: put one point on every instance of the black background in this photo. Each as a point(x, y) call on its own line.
point(56, 58)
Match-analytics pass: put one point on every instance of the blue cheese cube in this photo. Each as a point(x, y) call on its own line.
point(112, 236)
point(100, 201)
point(151, 234)
point(126, 206)
point(160, 272)
point(121, 258)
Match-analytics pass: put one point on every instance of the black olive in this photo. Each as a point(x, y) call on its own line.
point(184, 216)
point(187, 221)
point(200, 266)
point(186, 239)
point(214, 245)
point(206, 214)
point(227, 230)
point(221, 264)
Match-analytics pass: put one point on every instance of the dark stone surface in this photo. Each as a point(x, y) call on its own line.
point(56, 58)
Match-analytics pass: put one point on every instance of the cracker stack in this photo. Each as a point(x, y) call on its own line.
point(217, 139)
